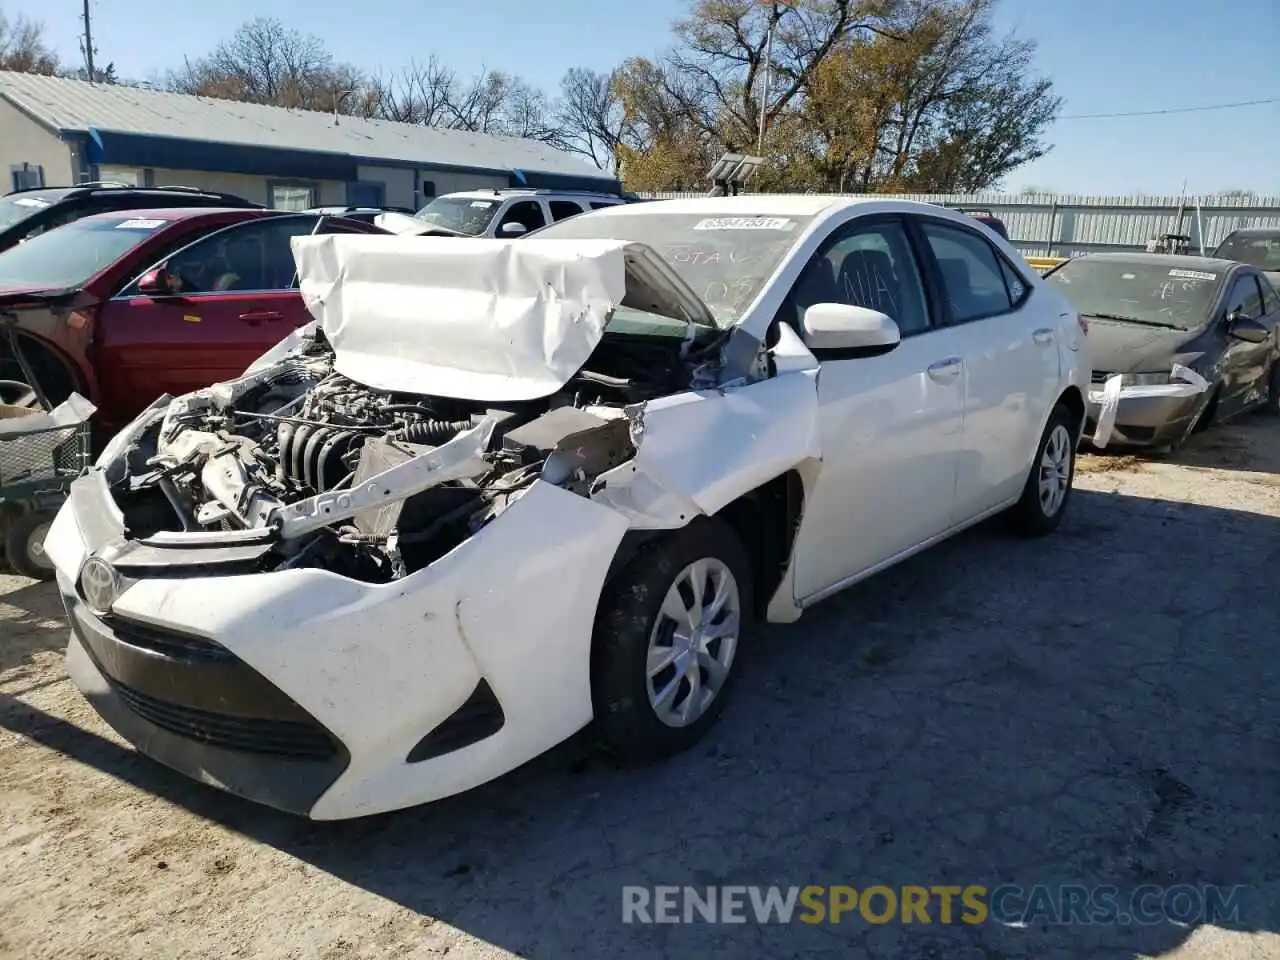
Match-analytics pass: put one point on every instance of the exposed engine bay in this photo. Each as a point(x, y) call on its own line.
point(282, 448)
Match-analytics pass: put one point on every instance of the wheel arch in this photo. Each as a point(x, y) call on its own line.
point(58, 374)
point(766, 521)
point(1073, 399)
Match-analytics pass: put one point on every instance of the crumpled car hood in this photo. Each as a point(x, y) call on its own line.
point(406, 224)
point(1118, 347)
point(491, 320)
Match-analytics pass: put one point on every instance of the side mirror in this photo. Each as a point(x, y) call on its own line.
point(512, 229)
point(156, 283)
point(856, 331)
point(1246, 329)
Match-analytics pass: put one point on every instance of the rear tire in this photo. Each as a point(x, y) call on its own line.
point(659, 678)
point(1048, 488)
point(24, 544)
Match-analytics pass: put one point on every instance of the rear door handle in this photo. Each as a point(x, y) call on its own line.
point(1043, 335)
point(260, 316)
point(944, 371)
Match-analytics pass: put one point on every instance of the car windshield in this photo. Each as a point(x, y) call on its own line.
point(462, 214)
point(725, 259)
point(15, 209)
point(1155, 294)
point(69, 256)
point(1259, 250)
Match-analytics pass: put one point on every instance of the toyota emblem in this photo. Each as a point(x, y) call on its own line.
point(99, 584)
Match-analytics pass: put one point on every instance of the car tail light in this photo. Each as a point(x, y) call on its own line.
point(1083, 324)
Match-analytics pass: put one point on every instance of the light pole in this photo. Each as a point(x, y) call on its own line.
point(768, 78)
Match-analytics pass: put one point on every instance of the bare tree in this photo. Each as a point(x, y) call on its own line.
point(23, 47)
point(723, 46)
point(266, 62)
point(526, 112)
point(591, 116)
point(419, 93)
point(432, 94)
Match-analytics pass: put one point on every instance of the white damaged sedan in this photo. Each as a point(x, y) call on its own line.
point(498, 491)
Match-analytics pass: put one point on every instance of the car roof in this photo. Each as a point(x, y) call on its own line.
point(52, 194)
point(1175, 261)
point(179, 213)
point(1254, 232)
point(528, 193)
point(756, 204)
point(58, 194)
point(780, 204)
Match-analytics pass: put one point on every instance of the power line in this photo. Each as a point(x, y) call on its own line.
point(1158, 113)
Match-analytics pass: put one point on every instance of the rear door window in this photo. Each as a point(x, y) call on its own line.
point(527, 213)
point(1270, 298)
point(564, 209)
point(971, 271)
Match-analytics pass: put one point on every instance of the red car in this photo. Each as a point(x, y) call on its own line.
point(123, 307)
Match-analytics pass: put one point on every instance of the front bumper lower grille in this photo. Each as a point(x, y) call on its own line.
point(276, 738)
point(167, 643)
point(197, 689)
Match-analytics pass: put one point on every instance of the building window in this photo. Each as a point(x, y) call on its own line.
point(291, 195)
point(24, 176)
point(130, 176)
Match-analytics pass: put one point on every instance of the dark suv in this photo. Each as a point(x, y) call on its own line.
point(26, 213)
point(985, 217)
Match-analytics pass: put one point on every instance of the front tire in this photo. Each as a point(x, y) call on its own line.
point(667, 642)
point(1048, 487)
point(1271, 407)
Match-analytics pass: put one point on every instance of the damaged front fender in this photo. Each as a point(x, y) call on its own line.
point(697, 452)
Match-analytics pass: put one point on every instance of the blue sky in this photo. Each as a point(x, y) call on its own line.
point(1103, 55)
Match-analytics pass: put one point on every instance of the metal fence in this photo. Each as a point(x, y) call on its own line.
point(1063, 226)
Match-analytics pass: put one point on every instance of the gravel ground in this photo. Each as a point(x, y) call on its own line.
point(1095, 708)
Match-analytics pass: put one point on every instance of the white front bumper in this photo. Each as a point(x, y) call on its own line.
point(381, 665)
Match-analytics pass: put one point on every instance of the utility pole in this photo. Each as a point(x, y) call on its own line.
point(764, 93)
point(87, 43)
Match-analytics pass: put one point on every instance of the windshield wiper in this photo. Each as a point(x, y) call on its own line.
point(1143, 323)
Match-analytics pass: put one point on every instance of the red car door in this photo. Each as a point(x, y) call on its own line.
point(235, 298)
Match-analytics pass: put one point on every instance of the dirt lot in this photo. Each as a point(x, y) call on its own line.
point(1097, 708)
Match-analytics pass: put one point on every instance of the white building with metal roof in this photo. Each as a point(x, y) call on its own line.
point(56, 131)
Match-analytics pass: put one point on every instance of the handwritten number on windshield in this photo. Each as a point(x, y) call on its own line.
point(717, 291)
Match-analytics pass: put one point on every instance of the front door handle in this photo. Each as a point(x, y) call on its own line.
point(1042, 336)
point(255, 317)
point(944, 371)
